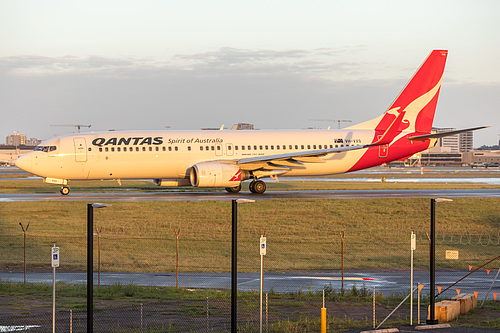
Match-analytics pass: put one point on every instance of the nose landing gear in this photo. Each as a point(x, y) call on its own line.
point(64, 190)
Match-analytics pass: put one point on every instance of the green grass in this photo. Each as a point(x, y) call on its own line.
point(301, 234)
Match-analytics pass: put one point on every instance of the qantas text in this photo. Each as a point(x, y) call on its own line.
point(149, 141)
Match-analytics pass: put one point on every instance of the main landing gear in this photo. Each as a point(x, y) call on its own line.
point(235, 189)
point(257, 186)
point(64, 190)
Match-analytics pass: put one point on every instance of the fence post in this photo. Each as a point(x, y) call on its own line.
point(24, 260)
point(374, 322)
point(342, 234)
point(208, 324)
point(141, 317)
point(177, 233)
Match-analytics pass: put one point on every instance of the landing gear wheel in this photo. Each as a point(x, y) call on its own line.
point(235, 189)
point(64, 190)
point(257, 187)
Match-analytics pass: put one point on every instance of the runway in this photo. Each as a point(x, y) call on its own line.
point(270, 195)
point(386, 282)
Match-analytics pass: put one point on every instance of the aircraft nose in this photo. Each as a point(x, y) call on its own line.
point(24, 162)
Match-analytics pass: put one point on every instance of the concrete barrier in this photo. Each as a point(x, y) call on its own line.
point(446, 311)
point(467, 302)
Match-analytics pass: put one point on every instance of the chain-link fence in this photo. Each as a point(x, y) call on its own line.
point(348, 256)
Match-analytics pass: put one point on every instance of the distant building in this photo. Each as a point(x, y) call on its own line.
point(16, 139)
point(466, 142)
point(448, 151)
point(482, 157)
point(33, 142)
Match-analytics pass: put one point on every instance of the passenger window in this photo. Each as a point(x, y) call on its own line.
point(278, 146)
point(272, 147)
point(118, 149)
point(207, 148)
point(157, 148)
point(189, 148)
point(242, 147)
point(267, 147)
point(260, 147)
point(106, 149)
point(308, 146)
point(319, 147)
point(143, 148)
point(150, 148)
point(255, 148)
point(100, 149)
point(235, 147)
point(284, 147)
point(163, 148)
point(201, 147)
point(314, 146)
point(176, 148)
point(212, 148)
point(301, 146)
point(331, 146)
point(169, 148)
point(124, 148)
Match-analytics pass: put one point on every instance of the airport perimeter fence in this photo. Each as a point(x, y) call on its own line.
point(301, 261)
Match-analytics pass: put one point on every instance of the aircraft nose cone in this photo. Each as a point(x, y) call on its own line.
point(24, 162)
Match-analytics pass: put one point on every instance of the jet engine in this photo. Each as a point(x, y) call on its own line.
point(216, 175)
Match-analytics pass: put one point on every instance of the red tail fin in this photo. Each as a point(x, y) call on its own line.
point(418, 99)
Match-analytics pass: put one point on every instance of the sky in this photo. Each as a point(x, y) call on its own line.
point(187, 65)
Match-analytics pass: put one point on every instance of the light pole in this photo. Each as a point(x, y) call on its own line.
point(432, 261)
point(234, 261)
point(90, 263)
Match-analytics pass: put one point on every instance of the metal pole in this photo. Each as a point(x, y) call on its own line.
point(234, 273)
point(24, 257)
point(53, 296)
point(412, 239)
point(374, 322)
point(267, 313)
point(432, 259)
point(342, 241)
point(261, 287)
point(90, 268)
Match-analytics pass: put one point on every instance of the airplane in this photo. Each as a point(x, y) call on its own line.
point(224, 159)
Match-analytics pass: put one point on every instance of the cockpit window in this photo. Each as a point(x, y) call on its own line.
point(45, 149)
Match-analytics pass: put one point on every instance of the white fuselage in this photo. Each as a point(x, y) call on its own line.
point(171, 154)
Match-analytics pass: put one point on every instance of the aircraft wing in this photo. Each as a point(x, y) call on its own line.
point(280, 163)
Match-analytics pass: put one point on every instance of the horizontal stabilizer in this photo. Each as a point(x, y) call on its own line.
point(443, 134)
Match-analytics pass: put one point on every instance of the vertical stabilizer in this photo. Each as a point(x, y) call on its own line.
point(417, 100)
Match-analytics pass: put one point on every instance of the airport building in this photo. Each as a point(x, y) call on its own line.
point(16, 139)
point(455, 150)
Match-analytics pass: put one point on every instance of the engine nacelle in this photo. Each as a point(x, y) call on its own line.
point(216, 175)
point(171, 182)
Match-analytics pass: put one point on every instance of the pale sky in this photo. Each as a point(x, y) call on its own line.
point(277, 64)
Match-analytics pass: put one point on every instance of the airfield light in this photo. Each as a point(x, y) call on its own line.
point(432, 256)
point(234, 261)
point(90, 263)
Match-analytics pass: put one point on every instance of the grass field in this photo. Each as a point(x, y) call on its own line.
point(301, 234)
